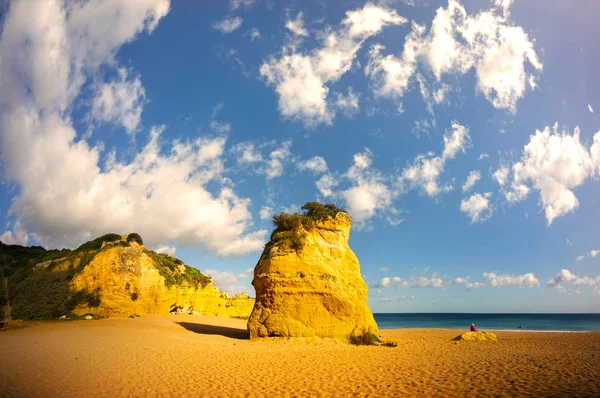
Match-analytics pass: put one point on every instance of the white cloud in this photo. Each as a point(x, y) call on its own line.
point(501, 175)
point(426, 169)
point(472, 179)
point(220, 127)
point(168, 250)
point(246, 153)
point(235, 4)
point(565, 276)
point(297, 26)
point(510, 280)
point(590, 254)
point(483, 156)
point(395, 299)
point(369, 194)
point(326, 184)
point(477, 207)
point(228, 281)
point(458, 42)
point(384, 269)
point(418, 283)
point(120, 101)
point(347, 104)
point(467, 283)
point(554, 162)
point(316, 165)
point(228, 25)
point(390, 76)
point(301, 79)
point(424, 282)
point(160, 194)
point(590, 108)
point(277, 160)
point(253, 33)
point(265, 212)
point(15, 237)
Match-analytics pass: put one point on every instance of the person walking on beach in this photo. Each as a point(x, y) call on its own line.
point(473, 328)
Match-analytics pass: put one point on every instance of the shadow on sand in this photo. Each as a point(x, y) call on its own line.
point(232, 333)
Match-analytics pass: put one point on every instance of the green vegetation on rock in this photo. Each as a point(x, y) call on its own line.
point(168, 268)
point(289, 232)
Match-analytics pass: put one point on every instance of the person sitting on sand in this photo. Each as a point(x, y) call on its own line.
point(473, 328)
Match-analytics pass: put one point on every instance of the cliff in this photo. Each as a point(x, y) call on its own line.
point(110, 276)
point(308, 281)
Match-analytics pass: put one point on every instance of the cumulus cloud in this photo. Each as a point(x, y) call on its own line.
point(326, 185)
point(253, 33)
point(161, 194)
point(347, 104)
point(425, 171)
point(501, 175)
point(525, 280)
point(472, 178)
point(384, 269)
point(369, 193)
point(265, 212)
point(15, 237)
point(120, 101)
point(395, 299)
point(302, 80)
point(565, 276)
point(316, 165)
point(169, 250)
point(228, 25)
point(228, 281)
point(235, 4)
point(467, 283)
point(590, 108)
point(501, 55)
point(590, 254)
point(296, 26)
point(554, 162)
point(277, 160)
point(246, 154)
point(477, 207)
point(483, 156)
point(417, 283)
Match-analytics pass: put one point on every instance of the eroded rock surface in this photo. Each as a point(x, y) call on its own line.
point(317, 290)
point(477, 336)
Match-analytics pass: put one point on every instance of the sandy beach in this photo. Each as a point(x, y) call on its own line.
point(187, 355)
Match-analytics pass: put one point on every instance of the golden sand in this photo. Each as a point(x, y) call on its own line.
point(191, 356)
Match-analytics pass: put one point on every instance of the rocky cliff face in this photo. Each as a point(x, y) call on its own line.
point(114, 278)
point(316, 290)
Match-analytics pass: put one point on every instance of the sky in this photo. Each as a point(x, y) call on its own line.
point(462, 137)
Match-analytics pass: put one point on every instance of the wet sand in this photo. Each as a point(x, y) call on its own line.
point(187, 356)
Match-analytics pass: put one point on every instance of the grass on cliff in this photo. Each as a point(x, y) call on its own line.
point(289, 228)
point(168, 268)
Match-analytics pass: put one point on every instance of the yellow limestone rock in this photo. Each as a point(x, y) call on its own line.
point(129, 284)
point(315, 291)
point(476, 336)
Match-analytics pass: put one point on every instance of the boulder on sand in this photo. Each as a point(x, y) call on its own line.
point(476, 336)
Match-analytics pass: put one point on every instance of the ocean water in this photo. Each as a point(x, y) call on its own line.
point(519, 322)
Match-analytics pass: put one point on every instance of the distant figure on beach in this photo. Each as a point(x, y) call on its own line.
point(473, 328)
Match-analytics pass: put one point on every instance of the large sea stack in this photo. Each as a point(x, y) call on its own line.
point(308, 281)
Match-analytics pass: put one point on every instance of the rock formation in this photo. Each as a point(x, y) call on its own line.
point(308, 281)
point(110, 276)
point(476, 336)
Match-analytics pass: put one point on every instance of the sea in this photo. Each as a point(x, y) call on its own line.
point(516, 322)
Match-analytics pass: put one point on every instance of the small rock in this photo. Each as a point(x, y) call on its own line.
point(63, 317)
point(88, 317)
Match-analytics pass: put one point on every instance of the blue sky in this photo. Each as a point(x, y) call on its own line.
point(462, 137)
